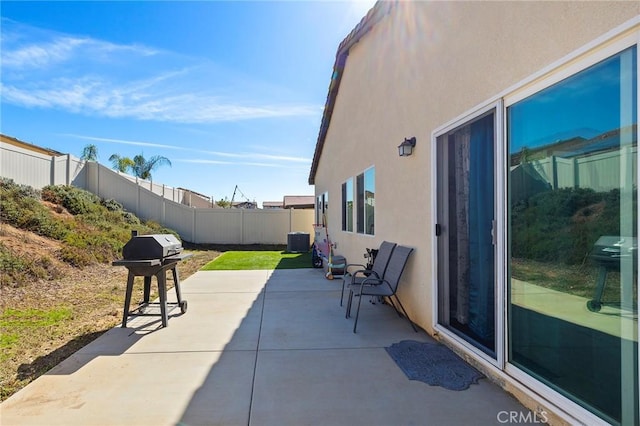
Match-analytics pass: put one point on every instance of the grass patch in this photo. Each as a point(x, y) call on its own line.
point(579, 280)
point(258, 260)
point(34, 317)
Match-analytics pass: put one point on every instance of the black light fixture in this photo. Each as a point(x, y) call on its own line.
point(406, 148)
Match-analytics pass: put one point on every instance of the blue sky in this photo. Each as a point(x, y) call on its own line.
point(231, 92)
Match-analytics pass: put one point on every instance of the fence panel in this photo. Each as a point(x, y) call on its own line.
point(179, 218)
point(302, 221)
point(602, 171)
point(218, 226)
point(265, 226)
point(60, 165)
point(150, 205)
point(25, 167)
point(108, 184)
point(565, 172)
point(77, 172)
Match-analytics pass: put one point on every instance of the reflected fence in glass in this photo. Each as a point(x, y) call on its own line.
point(572, 312)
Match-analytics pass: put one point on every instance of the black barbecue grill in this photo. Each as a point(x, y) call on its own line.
point(607, 254)
point(148, 256)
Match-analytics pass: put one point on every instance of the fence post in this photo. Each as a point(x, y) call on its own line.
point(241, 226)
point(97, 178)
point(68, 180)
point(52, 170)
point(291, 219)
point(193, 227)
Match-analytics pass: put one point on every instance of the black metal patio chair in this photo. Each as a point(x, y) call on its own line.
point(385, 286)
point(380, 263)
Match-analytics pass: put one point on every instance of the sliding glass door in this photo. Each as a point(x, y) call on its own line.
point(572, 297)
point(465, 229)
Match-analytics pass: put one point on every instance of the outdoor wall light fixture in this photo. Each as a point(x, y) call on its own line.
point(406, 148)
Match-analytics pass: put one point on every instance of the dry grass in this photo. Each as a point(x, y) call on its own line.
point(44, 322)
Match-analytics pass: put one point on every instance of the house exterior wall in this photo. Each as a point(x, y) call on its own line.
point(421, 67)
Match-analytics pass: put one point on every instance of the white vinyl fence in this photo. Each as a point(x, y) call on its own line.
point(39, 170)
point(600, 172)
point(151, 201)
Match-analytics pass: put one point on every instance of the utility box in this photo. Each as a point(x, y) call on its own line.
point(298, 242)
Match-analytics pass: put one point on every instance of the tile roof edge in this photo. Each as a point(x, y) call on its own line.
point(375, 14)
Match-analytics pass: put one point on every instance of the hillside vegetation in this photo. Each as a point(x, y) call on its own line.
point(58, 290)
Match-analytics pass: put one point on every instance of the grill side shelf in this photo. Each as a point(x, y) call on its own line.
point(125, 262)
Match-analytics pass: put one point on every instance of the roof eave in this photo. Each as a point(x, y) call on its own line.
point(377, 12)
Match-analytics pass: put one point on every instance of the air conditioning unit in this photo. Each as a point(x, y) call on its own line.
point(298, 242)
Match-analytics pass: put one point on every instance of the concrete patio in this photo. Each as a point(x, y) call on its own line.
point(254, 348)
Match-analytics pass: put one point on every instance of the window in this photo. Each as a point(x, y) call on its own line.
point(319, 210)
point(322, 207)
point(572, 203)
point(347, 205)
point(365, 205)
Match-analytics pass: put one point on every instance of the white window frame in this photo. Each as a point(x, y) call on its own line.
point(499, 229)
point(343, 211)
point(357, 203)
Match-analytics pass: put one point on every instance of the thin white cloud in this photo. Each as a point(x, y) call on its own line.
point(28, 48)
point(125, 142)
point(241, 155)
point(97, 78)
point(230, 163)
point(40, 55)
point(62, 49)
point(283, 158)
point(95, 97)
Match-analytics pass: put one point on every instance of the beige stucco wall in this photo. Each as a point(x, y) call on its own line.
point(419, 68)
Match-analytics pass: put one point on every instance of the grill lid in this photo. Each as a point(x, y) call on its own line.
point(609, 249)
point(154, 246)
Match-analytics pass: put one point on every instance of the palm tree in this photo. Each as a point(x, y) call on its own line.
point(89, 153)
point(121, 164)
point(142, 168)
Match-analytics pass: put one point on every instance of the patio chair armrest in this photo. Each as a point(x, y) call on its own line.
point(349, 265)
point(372, 281)
point(366, 273)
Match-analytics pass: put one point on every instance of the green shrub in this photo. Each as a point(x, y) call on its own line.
point(76, 257)
point(19, 208)
point(564, 224)
point(76, 201)
point(112, 205)
point(22, 190)
point(98, 247)
point(130, 218)
point(96, 233)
